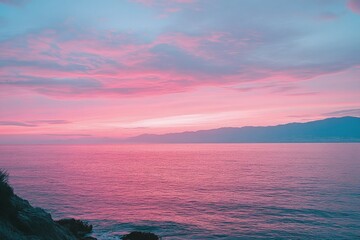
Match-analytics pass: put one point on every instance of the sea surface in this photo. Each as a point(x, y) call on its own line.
point(195, 191)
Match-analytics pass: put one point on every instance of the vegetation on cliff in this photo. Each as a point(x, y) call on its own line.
point(20, 221)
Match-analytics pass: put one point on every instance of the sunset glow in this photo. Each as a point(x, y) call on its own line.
point(95, 70)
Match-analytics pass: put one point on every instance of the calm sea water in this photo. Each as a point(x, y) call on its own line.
point(199, 191)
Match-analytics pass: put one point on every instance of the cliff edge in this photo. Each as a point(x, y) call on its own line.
point(20, 221)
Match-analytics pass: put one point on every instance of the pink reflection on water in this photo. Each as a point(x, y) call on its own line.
point(231, 188)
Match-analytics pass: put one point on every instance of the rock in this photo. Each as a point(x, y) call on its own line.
point(31, 223)
point(20, 221)
point(140, 236)
point(88, 238)
point(77, 227)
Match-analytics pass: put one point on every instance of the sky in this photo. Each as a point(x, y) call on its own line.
point(93, 71)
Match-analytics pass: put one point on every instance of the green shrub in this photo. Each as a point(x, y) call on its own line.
point(4, 176)
point(5, 190)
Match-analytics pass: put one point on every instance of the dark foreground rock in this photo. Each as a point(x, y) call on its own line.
point(20, 221)
point(140, 236)
point(77, 227)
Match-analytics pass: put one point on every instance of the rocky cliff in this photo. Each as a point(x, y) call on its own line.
point(20, 221)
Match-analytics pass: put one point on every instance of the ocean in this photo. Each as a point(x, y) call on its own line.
point(195, 191)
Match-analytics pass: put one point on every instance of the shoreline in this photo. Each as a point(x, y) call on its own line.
point(20, 220)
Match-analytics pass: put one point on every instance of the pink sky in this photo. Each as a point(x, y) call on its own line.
point(94, 70)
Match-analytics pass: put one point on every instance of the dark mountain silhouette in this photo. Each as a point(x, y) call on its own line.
point(344, 129)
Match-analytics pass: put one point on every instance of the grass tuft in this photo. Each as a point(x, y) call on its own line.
point(6, 192)
point(4, 176)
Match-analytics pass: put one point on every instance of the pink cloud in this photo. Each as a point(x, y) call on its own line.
point(354, 5)
point(67, 62)
point(197, 69)
point(262, 103)
point(117, 64)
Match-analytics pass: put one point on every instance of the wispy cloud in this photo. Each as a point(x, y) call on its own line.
point(345, 112)
point(15, 123)
point(69, 135)
point(50, 121)
point(34, 123)
point(183, 120)
point(71, 60)
point(117, 68)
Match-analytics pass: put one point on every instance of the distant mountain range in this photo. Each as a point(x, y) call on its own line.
point(344, 129)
